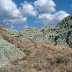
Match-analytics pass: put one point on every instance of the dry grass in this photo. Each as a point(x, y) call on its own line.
point(41, 57)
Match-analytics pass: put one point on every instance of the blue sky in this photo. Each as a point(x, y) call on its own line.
point(19, 14)
point(65, 5)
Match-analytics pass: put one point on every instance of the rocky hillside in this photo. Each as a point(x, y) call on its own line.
point(8, 51)
point(61, 35)
point(37, 50)
point(66, 22)
point(66, 25)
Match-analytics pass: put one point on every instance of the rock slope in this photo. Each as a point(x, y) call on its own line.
point(60, 35)
point(8, 51)
point(37, 50)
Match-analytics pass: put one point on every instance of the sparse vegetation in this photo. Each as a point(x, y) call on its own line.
point(37, 50)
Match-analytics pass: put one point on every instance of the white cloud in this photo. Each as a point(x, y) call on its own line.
point(28, 9)
point(45, 18)
point(60, 15)
point(47, 14)
point(44, 10)
point(9, 11)
point(52, 19)
point(18, 20)
point(46, 6)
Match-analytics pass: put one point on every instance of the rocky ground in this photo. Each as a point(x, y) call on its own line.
point(36, 50)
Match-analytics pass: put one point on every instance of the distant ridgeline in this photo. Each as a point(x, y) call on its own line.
point(66, 25)
point(66, 22)
point(60, 35)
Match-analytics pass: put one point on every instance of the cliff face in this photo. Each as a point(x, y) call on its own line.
point(37, 50)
